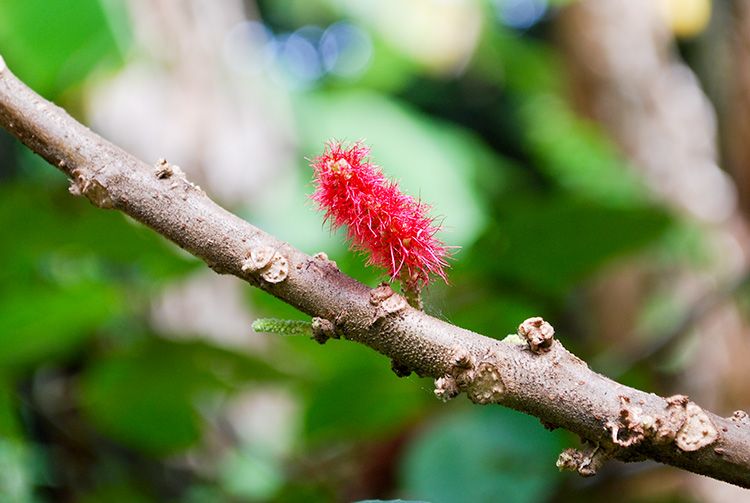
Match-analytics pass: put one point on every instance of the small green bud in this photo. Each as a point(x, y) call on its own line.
point(283, 327)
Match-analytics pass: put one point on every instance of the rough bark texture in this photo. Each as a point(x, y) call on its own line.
point(532, 372)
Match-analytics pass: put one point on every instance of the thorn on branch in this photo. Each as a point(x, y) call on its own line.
point(538, 334)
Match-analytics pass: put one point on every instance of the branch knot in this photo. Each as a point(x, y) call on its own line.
point(273, 267)
point(683, 422)
point(92, 189)
point(481, 381)
point(586, 462)
point(386, 301)
point(322, 330)
point(538, 334)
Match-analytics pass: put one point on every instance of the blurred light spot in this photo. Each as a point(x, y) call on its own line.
point(686, 18)
point(297, 56)
point(520, 14)
point(441, 35)
point(345, 50)
point(244, 47)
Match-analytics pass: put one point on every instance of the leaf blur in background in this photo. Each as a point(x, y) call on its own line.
point(569, 148)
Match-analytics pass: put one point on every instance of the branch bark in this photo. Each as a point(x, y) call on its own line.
point(531, 372)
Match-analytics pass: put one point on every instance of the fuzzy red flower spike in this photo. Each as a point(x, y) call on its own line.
point(393, 228)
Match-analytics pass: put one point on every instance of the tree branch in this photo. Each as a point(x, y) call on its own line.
point(531, 372)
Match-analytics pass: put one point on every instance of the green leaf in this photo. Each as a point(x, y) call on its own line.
point(66, 269)
point(9, 421)
point(389, 70)
point(148, 396)
point(146, 404)
point(526, 66)
point(65, 238)
point(41, 322)
point(483, 454)
point(358, 396)
point(577, 155)
point(54, 45)
point(552, 243)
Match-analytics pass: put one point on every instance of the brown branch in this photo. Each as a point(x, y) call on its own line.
point(531, 372)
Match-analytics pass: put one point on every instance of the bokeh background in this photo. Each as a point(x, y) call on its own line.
point(590, 158)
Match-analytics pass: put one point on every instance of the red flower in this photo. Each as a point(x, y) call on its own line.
point(394, 228)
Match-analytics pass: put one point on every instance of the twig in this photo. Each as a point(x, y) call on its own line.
point(537, 375)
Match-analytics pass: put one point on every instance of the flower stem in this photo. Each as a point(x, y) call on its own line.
point(413, 296)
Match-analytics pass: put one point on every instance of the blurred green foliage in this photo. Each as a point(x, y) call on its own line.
point(54, 45)
point(478, 454)
point(157, 385)
point(357, 397)
point(537, 198)
point(553, 243)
